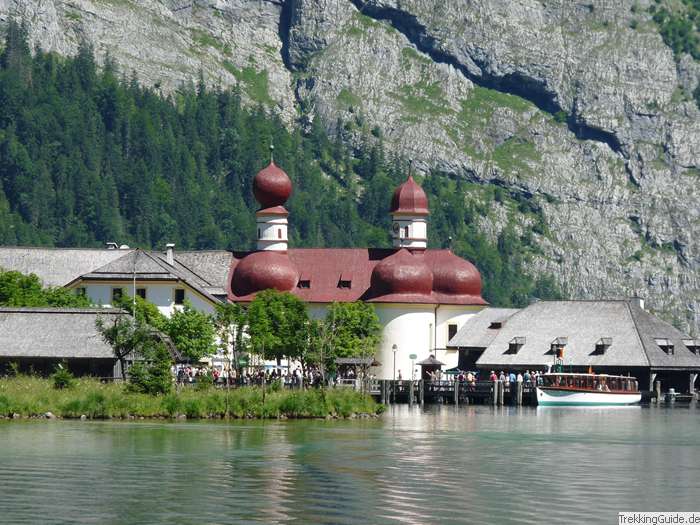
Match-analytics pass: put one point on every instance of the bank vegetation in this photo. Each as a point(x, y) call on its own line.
point(25, 396)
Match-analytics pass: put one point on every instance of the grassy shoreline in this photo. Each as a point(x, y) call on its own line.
point(34, 397)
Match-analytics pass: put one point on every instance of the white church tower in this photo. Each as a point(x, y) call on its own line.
point(272, 187)
point(409, 212)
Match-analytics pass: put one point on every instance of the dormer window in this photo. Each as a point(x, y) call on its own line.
point(602, 345)
point(693, 345)
point(556, 347)
point(304, 283)
point(345, 280)
point(516, 344)
point(665, 344)
point(496, 325)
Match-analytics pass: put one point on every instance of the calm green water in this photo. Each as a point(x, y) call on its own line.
point(442, 465)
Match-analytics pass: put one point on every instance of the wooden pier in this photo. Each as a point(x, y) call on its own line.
point(388, 391)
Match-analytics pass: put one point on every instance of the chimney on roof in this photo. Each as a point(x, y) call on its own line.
point(111, 245)
point(169, 256)
point(638, 301)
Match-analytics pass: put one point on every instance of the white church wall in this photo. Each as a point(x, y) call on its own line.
point(410, 328)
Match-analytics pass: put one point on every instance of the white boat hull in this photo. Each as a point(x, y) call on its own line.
point(554, 397)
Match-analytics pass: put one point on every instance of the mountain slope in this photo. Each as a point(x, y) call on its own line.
point(578, 112)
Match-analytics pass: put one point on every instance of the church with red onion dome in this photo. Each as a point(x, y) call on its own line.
point(422, 296)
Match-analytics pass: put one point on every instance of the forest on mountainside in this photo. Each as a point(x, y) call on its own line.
point(89, 155)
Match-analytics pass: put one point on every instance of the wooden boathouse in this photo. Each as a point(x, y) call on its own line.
point(606, 336)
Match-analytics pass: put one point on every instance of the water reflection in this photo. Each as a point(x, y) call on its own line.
point(439, 465)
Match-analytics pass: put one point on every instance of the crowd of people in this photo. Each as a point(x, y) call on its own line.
point(533, 377)
point(185, 374)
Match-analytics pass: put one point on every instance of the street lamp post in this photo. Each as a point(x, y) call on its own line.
point(394, 349)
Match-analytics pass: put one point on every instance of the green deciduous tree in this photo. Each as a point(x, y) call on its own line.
point(231, 320)
point(150, 372)
point(278, 324)
point(192, 332)
point(18, 289)
point(145, 312)
point(353, 329)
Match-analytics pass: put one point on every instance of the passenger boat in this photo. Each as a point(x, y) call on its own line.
point(558, 389)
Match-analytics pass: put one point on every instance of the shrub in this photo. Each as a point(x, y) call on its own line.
point(152, 375)
point(62, 377)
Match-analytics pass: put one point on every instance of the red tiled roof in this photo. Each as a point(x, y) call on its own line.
point(324, 267)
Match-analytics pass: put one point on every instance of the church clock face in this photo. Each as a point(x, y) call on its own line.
point(395, 227)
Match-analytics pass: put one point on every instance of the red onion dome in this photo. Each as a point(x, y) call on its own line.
point(262, 271)
point(409, 198)
point(455, 276)
point(271, 186)
point(402, 273)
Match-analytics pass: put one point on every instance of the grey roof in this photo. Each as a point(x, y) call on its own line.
point(56, 266)
point(151, 266)
point(212, 265)
point(584, 323)
point(651, 328)
point(475, 333)
point(54, 332)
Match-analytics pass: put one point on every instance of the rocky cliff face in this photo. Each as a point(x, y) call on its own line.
point(578, 107)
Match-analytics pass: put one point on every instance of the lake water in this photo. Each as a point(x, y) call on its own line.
point(439, 465)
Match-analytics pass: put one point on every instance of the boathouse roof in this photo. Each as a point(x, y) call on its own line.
point(56, 333)
point(481, 329)
point(604, 333)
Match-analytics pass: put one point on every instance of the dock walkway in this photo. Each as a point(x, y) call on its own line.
point(388, 391)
